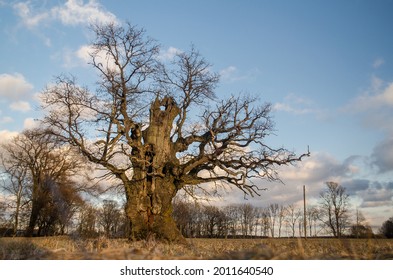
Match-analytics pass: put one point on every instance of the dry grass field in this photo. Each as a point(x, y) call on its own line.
point(60, 248)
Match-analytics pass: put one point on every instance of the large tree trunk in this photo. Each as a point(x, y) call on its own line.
point(153, 186)
point(150, 212)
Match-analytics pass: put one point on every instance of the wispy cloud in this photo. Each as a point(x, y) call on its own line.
point(30, 18)
point(4, 120)
point(374, 98)
point(232, 74)
point(71, 13)
point(228, 73)
point(374, 106)
point(21, 106)
point(296, 105)
point(168, 54)
point(378, 63)
point(75, 12)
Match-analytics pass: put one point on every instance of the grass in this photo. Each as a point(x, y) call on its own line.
point(65, 248)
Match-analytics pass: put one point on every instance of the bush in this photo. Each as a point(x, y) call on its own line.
point(387, 228)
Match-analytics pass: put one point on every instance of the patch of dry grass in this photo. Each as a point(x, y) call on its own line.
point(115, 249)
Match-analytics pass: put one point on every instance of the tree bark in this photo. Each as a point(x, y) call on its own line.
point(153, 186)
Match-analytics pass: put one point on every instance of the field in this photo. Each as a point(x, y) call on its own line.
point(59, 248)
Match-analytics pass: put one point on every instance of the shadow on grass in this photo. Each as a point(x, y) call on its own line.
point(21, 250)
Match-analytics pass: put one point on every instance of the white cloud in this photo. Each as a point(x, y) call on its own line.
point(30, 123)
point(84, 53)
point(103, 58)
point(291, 109)
point(168, 54)
point(232, 74)
point(376, 97)
point(5, 120)
point(296, 105)
point(374, 106)
point(21, 106)
point(6, 135)
point(29, 17)
point(14, 87)
point(228, 72)
point(72, 12)
point(378, 63)
point(75, 12)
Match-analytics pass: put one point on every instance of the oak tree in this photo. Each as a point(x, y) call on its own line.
point(159, 127)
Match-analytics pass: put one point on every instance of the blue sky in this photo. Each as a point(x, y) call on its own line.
point(326, 67)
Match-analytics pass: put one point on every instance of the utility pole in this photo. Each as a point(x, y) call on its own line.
point(304, 217)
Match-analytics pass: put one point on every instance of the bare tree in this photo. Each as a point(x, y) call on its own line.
point(265, 221)
point(232, 214)
point(141, 124)
point(292, 217)
point(15, 184)
point(281, 217)
point(272, 213)
point(312, 218)
point(334, 203)
point(213, 221)
point(182, 213)
point(35, 161)
point(360, 229)
point(109, 217)
point(87, 224)
point(248, 215)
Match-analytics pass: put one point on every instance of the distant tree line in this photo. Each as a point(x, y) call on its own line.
point(331, 217)
point(44, 184)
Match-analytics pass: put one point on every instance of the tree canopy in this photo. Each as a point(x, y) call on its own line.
point(159, 127)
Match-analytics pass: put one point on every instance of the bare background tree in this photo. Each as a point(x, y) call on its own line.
point(334, 206)
point(272, 213)
point(109, 217)
point(16, 185)
point(387, 228)
point(41, 172)
point(360, 229)
point(293, 215)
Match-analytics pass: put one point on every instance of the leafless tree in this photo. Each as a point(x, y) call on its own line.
point(334, 203)
point(36, 162)
point(248, 215)
point(232, 214)
point(109, 217)
point(213, 221)
point(142, 125)
point(281, 217)
point(16, 185)
point(272, 213)
point(265, 221)
point(88, 221)
point(292, 217)
point(312, 219)
point(360, 229)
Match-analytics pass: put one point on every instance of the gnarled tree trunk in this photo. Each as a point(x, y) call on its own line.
point(153, 186)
